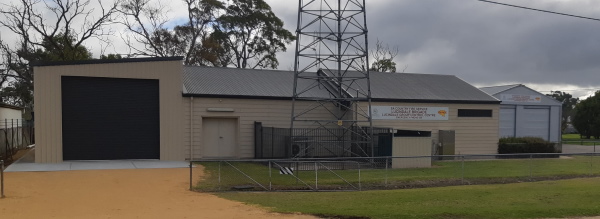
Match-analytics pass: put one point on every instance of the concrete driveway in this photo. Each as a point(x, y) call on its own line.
point(122, 193)
point(27, 164)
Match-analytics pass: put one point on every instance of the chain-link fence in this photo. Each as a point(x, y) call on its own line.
point(353, 174)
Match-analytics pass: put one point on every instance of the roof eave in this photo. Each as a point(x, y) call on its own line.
point(237, 96)
point(373, 99)
point(106, 61)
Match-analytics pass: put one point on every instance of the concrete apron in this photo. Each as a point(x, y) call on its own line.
point(27, 164)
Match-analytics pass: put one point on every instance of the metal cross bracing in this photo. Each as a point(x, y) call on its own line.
point(332, 91)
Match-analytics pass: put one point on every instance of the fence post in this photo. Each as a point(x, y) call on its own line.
point(1, 178)
point(462, 170)
point(12, 134)
point(22, 130)
point(359, 185)
point(297, 171)
point(316, 177)
point(386, 170)
point(219, 175)
point(8, 147)
point(190, 174)
point(270, 178)
point(530, 167)
point(592, 165)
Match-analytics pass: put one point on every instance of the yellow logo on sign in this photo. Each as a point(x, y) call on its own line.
point(443, 113)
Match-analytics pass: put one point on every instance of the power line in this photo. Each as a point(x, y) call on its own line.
point(540, 10)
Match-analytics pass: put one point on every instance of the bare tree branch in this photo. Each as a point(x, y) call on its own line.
point(59, 26)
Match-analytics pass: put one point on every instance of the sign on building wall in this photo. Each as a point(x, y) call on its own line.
point(409, 113)
point(521, 98)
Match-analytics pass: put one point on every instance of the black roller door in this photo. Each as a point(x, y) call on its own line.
point(110, 118)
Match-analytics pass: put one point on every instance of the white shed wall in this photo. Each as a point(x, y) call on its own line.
point(7, 113)
point(527, 118)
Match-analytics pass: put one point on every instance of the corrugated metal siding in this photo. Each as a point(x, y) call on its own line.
point(473, 135)
point(243, 82)
point(273, 113)
point(405, 86)
point(411, 146)
point(48, 103)
point(267, 83)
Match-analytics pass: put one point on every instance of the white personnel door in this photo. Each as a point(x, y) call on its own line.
point(220, 137)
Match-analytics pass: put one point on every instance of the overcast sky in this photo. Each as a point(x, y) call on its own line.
point(482, 43)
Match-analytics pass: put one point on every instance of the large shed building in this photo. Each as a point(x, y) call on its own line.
point(525, 112)
point(155, 108)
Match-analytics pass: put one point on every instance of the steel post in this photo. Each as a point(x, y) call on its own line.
point(530, 167)
point(386, 170)
point(359, 185)
point(316, 177)
point(462, 170)
point(1, 179)
point(270, 178)
point(190, 175)
point(592, 165)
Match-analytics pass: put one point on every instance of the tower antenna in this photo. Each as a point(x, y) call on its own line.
point(331, 100)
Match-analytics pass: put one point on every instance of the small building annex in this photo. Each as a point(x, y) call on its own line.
point(525, 112)
point(156, 108)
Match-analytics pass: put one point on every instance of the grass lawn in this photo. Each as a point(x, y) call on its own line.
point(443, 173)
point(563, 198)
point(576, 139)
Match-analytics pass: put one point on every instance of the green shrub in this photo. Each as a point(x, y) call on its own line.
point(520, 145)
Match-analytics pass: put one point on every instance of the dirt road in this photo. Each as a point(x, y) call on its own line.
point(139, 193)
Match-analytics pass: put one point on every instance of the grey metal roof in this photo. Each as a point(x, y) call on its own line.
point(496, 90)
point(208, 81)
point(405, 86)
point(493, 90)
point(212, 81)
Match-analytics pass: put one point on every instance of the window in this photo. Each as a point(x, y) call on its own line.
point(474, 113)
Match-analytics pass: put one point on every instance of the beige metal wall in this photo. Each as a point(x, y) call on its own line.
point(473, 135)
point(272, 113)
point(48, 108)
point(411, 146)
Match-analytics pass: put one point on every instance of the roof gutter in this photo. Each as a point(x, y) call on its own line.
point(373, 99)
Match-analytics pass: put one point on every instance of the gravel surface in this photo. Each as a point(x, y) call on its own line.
point(137, 193)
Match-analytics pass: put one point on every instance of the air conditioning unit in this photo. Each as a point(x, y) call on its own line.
point(300, 147)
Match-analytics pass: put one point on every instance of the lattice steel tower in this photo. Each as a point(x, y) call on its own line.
point(332, 91)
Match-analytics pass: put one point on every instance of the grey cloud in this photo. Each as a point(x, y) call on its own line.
point(484, 43)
